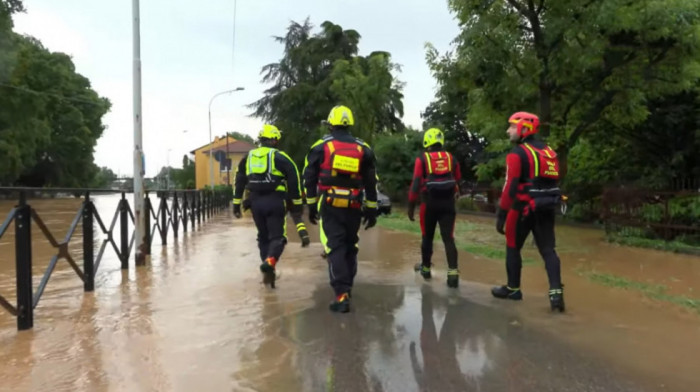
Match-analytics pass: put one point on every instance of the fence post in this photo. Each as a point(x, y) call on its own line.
point(211, 204)
point(88, 245)
point(23, 260)
point(184, 211)
point(163, 217)
point(124, 226)
point(175, 217)
point(199, 208)
point(192, 213)
point(148, 210)
point(205, 202)
point(667, 219)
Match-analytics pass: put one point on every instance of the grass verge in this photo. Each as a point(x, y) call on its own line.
point(653, 291)
point(669, 246)
point(464, 236)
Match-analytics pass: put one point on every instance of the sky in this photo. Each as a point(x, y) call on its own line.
point(189, 54)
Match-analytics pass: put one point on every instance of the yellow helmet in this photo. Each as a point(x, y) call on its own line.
point(341, 116)
point(270, 131)
point(433, 136)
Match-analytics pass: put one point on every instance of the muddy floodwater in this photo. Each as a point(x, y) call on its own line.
point(197, 318)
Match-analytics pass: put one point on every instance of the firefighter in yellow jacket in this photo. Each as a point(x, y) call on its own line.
point(270, 176)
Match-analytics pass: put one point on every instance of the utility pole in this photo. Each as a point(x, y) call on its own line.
point(141, 252)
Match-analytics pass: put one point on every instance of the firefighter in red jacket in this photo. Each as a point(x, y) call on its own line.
point(341, 166)
point(435, 179)
point(530, 197)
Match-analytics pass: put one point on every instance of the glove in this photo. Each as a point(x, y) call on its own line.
point(370, 217)
point(305, 240)
point(411, 211)
point(237, 211)
point(501, 221)
point(247, 204)
point(313, 214)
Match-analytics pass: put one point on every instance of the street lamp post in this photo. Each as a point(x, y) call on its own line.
point(211, 149)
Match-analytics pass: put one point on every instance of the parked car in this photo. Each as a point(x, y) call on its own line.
point(383, 203)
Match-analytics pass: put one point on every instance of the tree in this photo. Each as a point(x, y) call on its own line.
point(73, 112)
point(184, 178)
point(50, 117)
point(449, 113)
point(10, 7)
point(242, 137)
point(396, 155)
point(21, 128)
point(663, 148)
point(578, 64)
point(104, 177)
point(320, 71)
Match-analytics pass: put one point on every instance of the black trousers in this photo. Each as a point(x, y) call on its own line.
point(269, 214)
point(339, 235)
point(438, 212)
point(518, 227)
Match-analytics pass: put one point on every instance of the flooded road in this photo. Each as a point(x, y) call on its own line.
point(198, 318)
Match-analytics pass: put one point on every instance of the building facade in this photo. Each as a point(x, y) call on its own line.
point(227, 152)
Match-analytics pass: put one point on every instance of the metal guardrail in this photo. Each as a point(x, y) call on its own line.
point(186, 207)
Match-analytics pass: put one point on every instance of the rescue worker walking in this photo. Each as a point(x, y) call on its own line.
point(269, 174)
point(435, 180)
point(530, 197)
point(341, 166)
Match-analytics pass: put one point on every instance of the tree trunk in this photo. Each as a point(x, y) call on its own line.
point(563, 155)
point(545, 105)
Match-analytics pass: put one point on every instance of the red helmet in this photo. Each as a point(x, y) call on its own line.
point(528, 123)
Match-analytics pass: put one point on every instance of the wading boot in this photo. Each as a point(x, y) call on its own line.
point(556, 300)
point(268, 270)
point(424, 271)
point(452, 278)
point(341, 304)
point(505, 292)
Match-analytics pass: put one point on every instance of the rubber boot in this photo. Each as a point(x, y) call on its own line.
point(556, 300)
point(341, 304)
point(452, 278)
point(268, 270)
point(505, 292)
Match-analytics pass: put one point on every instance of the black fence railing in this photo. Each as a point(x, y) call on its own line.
point(669, 215)
point(185, 207)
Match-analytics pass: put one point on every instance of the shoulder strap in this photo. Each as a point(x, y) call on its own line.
point(427, 167)
point(535, 160)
